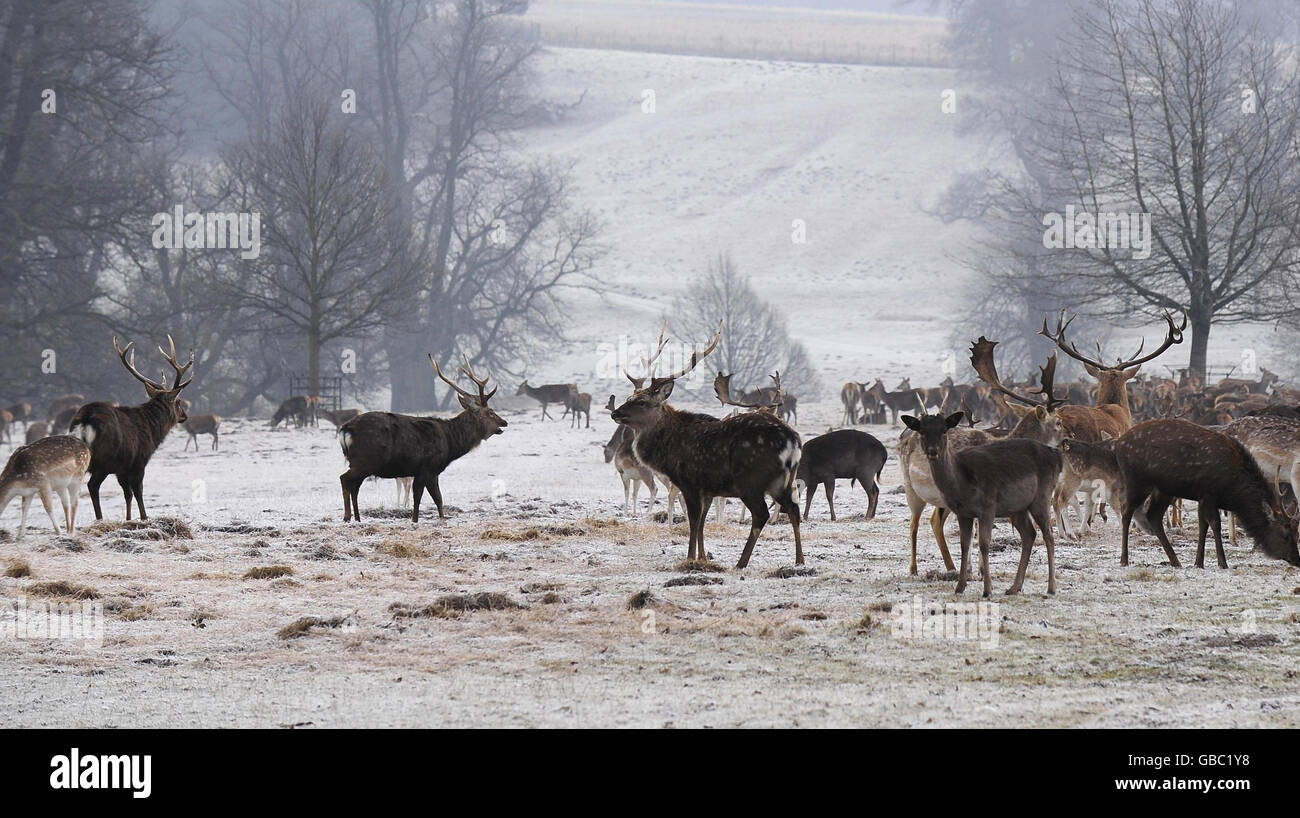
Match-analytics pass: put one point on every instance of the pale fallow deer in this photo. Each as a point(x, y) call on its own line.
point(50, 466)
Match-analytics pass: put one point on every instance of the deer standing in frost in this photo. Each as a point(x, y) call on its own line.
point(50, 466)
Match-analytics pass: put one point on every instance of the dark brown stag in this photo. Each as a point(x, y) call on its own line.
point(549, 393)
point(1167, 458)
point(383, 444)
point(122, 439)
point(750, 456)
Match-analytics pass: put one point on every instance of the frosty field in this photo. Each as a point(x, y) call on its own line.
point(536, 516)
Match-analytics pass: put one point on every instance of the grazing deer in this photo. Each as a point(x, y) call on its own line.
point(1011, 478)
point(1095, 462)
point(749, 456)
point(837, 455)
point(63, 403)
point(850, 396)
point(578, 403)
point(1167, 458)
point(37, 430)
point(296, 407)
point(196, 425)
point(1274, 442)
point(548, 394)
point(1112, 414)
point(53, 465)
point(384, 444)
point(122, 440)
point(338, 417)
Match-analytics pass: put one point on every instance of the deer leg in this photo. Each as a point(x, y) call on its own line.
point(1217, 525)
point(22, 520)
point(986, 537)
point(627, 490)
point(347, 496)
point(73, 492)
point(1044, 521)
point(137, 488)
point(126, 493)
point(916, 520)
point(48, 501)
point(937, 520)
point(1156, 517)
point(830, 496)
point(791, 508)
point(215, 447)
point(965, 524)
point(692, 502)
point(759, 515)
point(807, 502)
point(96, 480)
point(1022, 524)
point(873, 495)
point(1202, 526)
point(417, 491)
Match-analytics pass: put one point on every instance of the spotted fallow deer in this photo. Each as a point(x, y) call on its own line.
point(1112, 414)
point(750, 456)
point(50, 466)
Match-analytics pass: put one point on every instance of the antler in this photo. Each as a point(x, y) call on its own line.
point(468, 371)
point(696, 357)
point(637, 383)
point(127, 355)
point(981, 358)
point(1174, 335)
point(180, 370)
point(722, 388)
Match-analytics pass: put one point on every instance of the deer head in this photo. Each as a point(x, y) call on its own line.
point(159, 390)
point(933, 430)
point(489, 422)
point(648, 404)
point(1111, 378)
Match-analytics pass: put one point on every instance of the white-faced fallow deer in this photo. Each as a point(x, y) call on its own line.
point(122, 439)
point(547, 394)
point(630, 470)
point(196, 425)
point(1167, 458)
point(53, 465)
point(1011, 478)
point(750, 456)
point(384, 444)
point(1112, 414)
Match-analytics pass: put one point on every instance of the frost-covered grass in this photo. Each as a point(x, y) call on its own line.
point(383, 623)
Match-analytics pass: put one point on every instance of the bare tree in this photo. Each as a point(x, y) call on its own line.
point(334, 259)
point(755, 340)
point(1182, 111)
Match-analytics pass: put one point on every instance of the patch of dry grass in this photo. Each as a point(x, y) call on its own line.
point(453, 605)
point(18, 569)
point(60, 588)
point(401, 549)
point(300, 627)
point(788, 572)
point(155, 528)
point(268, 572)
point(641, 599)
point(511, 535)
point(698, 566)
point(692, 579)
point(1146, 574)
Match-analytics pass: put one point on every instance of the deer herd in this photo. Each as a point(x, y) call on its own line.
point(1025, 452)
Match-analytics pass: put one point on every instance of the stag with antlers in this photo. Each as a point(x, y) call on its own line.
point(384, 444)
point(1112, 415)
point(751, 456)
point(123, 439)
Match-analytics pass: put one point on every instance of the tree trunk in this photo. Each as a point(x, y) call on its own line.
point(1200, 322)
point(313, 351)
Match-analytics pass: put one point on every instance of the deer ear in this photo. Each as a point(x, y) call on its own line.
point(911, 423)
point(1040, 413)
point(1018, 410)
point(954, 419)
point(1091, 370)
point(661, 388)
point(1131, 372)
point(465, 402)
